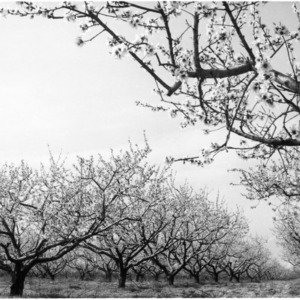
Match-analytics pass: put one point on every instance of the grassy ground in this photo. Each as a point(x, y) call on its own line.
point(73, 288)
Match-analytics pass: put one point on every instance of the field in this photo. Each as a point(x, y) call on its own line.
point(74, 288)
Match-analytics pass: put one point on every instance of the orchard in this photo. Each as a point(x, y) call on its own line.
point(224, 67)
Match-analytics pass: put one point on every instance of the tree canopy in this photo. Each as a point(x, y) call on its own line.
point(211, 63)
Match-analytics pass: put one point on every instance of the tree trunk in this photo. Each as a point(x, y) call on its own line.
point(51, 275)
point(197, 278)
point(216, 277)
point(233, 276)
point(139, 277)
point(122, 278)
point(81, 275)
point(18, 280)
point(17, 287)
point(249, 276)
point(108, 276)
point(259, 276)
point(171, 279)
point(156, 277)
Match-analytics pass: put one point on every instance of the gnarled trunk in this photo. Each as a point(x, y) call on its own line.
point(156, 277)
point(52, 277)
point(108, 276)
point(233, 276)
point(139, 277)
point(17, 287)
point(122, 277)
point(197, 278)
point(171, 279)
point(216, 277)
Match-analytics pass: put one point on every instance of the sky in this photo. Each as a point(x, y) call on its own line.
point(81, 101)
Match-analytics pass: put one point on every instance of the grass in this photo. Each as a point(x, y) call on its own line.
point(75, 288)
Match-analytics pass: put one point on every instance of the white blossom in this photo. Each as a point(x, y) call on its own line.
point(264, 66)
point(119, 51)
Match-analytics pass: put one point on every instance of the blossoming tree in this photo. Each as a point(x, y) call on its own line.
point(214, 67)
point(277, 178)
point(246, 254)
point(212, 259)
point(125, 244)
point(51, 268)
point(39, 215)
point(82, 262)
point(277, 183)
point(46, 214)
point(195, 225)
point(287, 229)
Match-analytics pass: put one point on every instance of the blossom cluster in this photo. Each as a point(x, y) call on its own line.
point(223, 44)
point(205, 10)
point(172, 7)
point(294, 131)
point(119, 51)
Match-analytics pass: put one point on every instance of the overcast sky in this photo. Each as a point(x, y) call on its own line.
point(81, 101)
